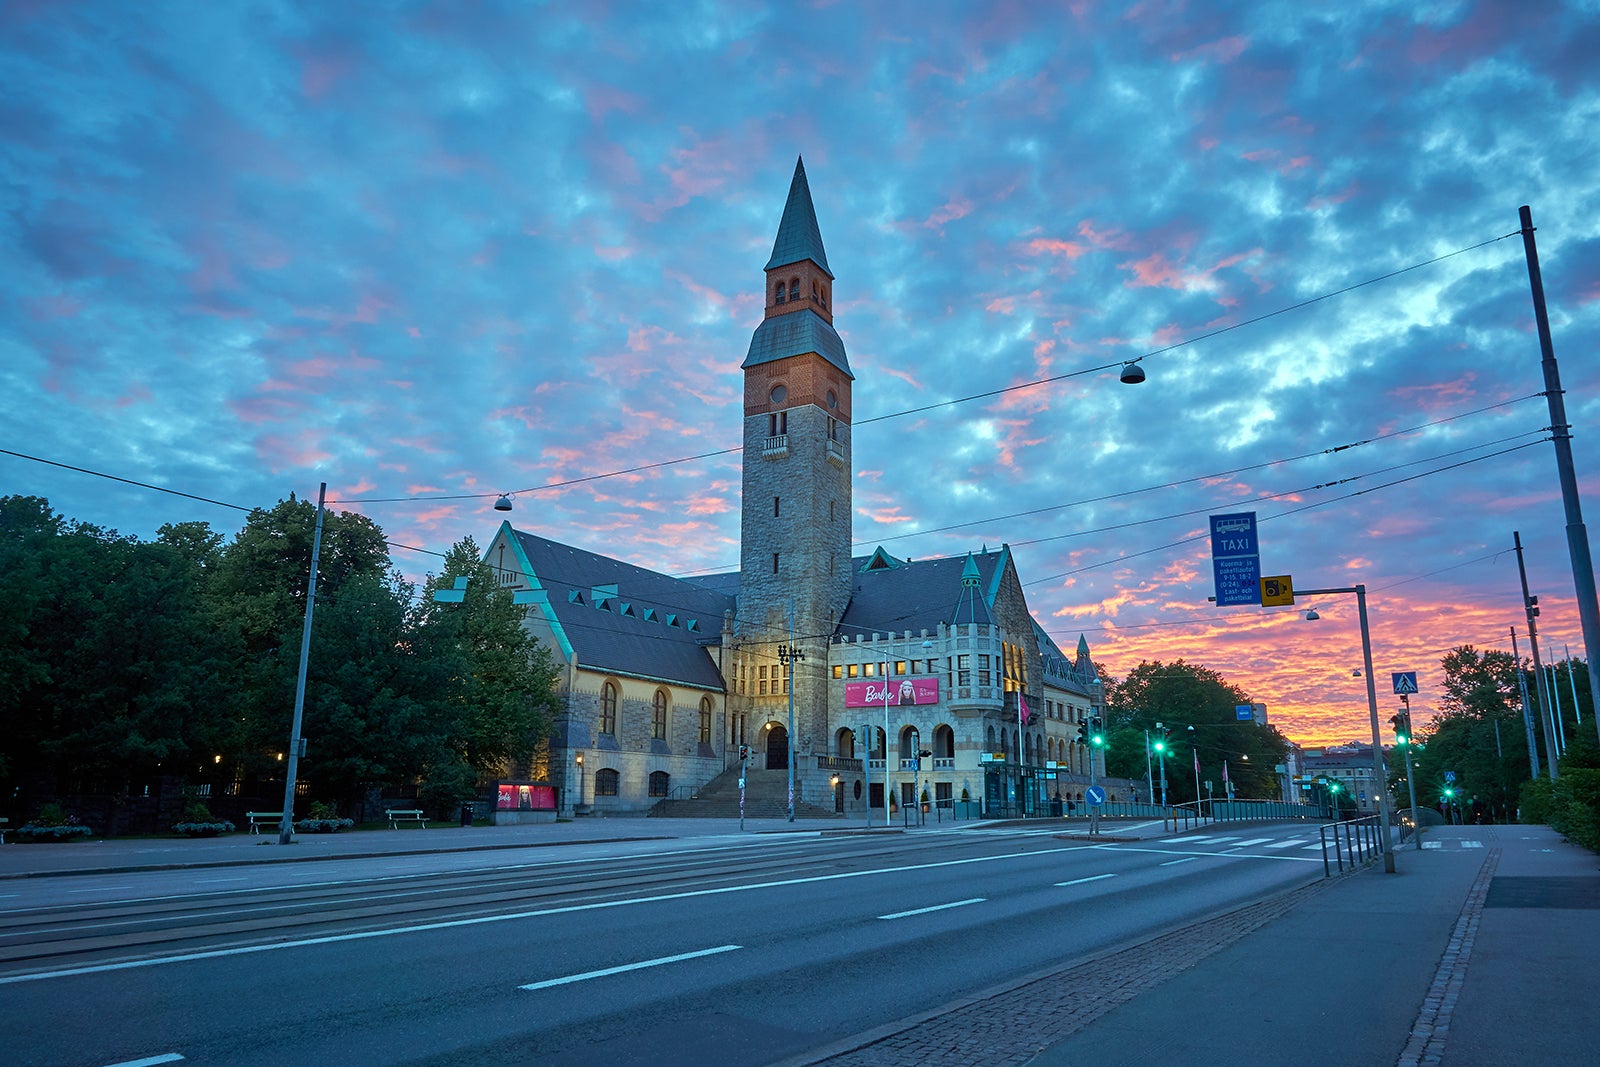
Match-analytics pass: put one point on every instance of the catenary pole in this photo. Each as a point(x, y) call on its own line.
point(286, 825)
point(1538, 670)
point(1527, 711)
point(1561, 438)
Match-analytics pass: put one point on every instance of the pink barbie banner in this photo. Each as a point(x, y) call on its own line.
point(900, 691)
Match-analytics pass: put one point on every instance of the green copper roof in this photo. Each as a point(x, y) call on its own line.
point(788, 335)
point(798, 236)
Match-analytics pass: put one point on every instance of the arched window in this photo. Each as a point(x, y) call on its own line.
point(658, 716)
point(705, 720)
point(778, 296)
point(991, 739)
point(816, 292)
point(845, 741)
point(660, 783)
point(608, 710)
point(605, 782)
point(944, 742)
point(794, 288)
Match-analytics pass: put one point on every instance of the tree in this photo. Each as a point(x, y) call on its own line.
point(1479, 734)
point(501, 695)
point(1181, 696)
point(256, 592)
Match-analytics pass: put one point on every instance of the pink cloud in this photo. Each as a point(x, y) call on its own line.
point(955, 208)
point(1224, 50)
point(1054, 246)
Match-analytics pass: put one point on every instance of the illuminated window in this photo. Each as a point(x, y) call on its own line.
point(608, 709)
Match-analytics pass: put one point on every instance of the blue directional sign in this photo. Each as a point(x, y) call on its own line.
point(1235, 558)
point(1244, 712)
point(1095, 795)
point(1404, 681)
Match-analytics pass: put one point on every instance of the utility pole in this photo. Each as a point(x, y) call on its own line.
point(788, 655)
point(1531, 606)
point(1527, 711)
point(286, 825)
point(1561, 438)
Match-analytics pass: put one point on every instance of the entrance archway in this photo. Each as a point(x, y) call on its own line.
point(777, 749)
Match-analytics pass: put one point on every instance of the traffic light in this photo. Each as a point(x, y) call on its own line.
point(1160, 744)
point(1097, 733)
point(1402, 728)
point(744, 752)
point(1083, 732)
point(922, 754)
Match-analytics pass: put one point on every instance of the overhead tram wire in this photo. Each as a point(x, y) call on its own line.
point(987, 394)
point(1203, 477)
point(1279, 515)
point(1282, 493)
point(180, 493)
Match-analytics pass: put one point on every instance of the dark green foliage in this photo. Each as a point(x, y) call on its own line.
point(128, 661)
point(1570, 805)
point(1180, 695)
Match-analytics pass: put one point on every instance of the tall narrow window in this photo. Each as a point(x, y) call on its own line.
point(608, 709)
point(778, 296)
point(774, 563)
point(658, 716)
point(705, 720)
point(774, 507)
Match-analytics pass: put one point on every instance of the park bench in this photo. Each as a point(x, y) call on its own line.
point(258, 819)
point(399, 815)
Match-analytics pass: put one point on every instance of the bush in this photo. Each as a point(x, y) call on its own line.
point(1534, 804)
point(1570, 805)
point(198, 821)
point(323, 818)
point(52, 824)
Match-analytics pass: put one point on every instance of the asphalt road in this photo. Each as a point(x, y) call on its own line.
point(744, 950)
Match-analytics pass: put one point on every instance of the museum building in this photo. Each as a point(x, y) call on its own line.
point(848, 667)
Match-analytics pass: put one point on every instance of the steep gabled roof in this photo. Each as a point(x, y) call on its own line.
point(798, 236)
point(899, 595)
point(623, 619)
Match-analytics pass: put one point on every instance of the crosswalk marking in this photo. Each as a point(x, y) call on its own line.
point(1293, 841)
point(1252, 841)
point(1472, 844)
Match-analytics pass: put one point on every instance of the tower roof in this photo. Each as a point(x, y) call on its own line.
point(798, 235)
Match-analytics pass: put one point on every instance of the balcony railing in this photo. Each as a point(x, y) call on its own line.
point(775, 447)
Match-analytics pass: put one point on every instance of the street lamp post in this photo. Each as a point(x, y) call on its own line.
point(1379, 777)
point(788, 655)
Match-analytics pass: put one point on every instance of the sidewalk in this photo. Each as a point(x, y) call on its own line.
point(128, 854)
point(1479, 949)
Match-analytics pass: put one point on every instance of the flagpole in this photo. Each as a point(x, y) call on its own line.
point(1196, 779)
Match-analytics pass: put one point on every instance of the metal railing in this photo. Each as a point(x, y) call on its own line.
point(1358, 841)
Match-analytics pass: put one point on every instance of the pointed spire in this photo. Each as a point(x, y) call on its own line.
point(798, 235)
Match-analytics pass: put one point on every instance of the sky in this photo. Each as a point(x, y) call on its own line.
point(432, 252)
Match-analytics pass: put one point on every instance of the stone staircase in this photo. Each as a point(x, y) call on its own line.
point(766, 796)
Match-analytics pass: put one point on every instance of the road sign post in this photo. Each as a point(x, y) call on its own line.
point(1235, 558)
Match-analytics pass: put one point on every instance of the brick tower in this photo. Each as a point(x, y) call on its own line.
point(795, 531)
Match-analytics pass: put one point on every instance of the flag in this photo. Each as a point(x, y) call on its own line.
point(1196, 763)
point(1224, 772)
point(1022, 709)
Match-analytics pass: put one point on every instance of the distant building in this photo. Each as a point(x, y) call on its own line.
point(665, 678)
point(1350, 766)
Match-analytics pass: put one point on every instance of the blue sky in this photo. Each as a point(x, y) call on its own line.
point(425, 250)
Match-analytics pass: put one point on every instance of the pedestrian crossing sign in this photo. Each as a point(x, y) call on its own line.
point(1404, 681)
